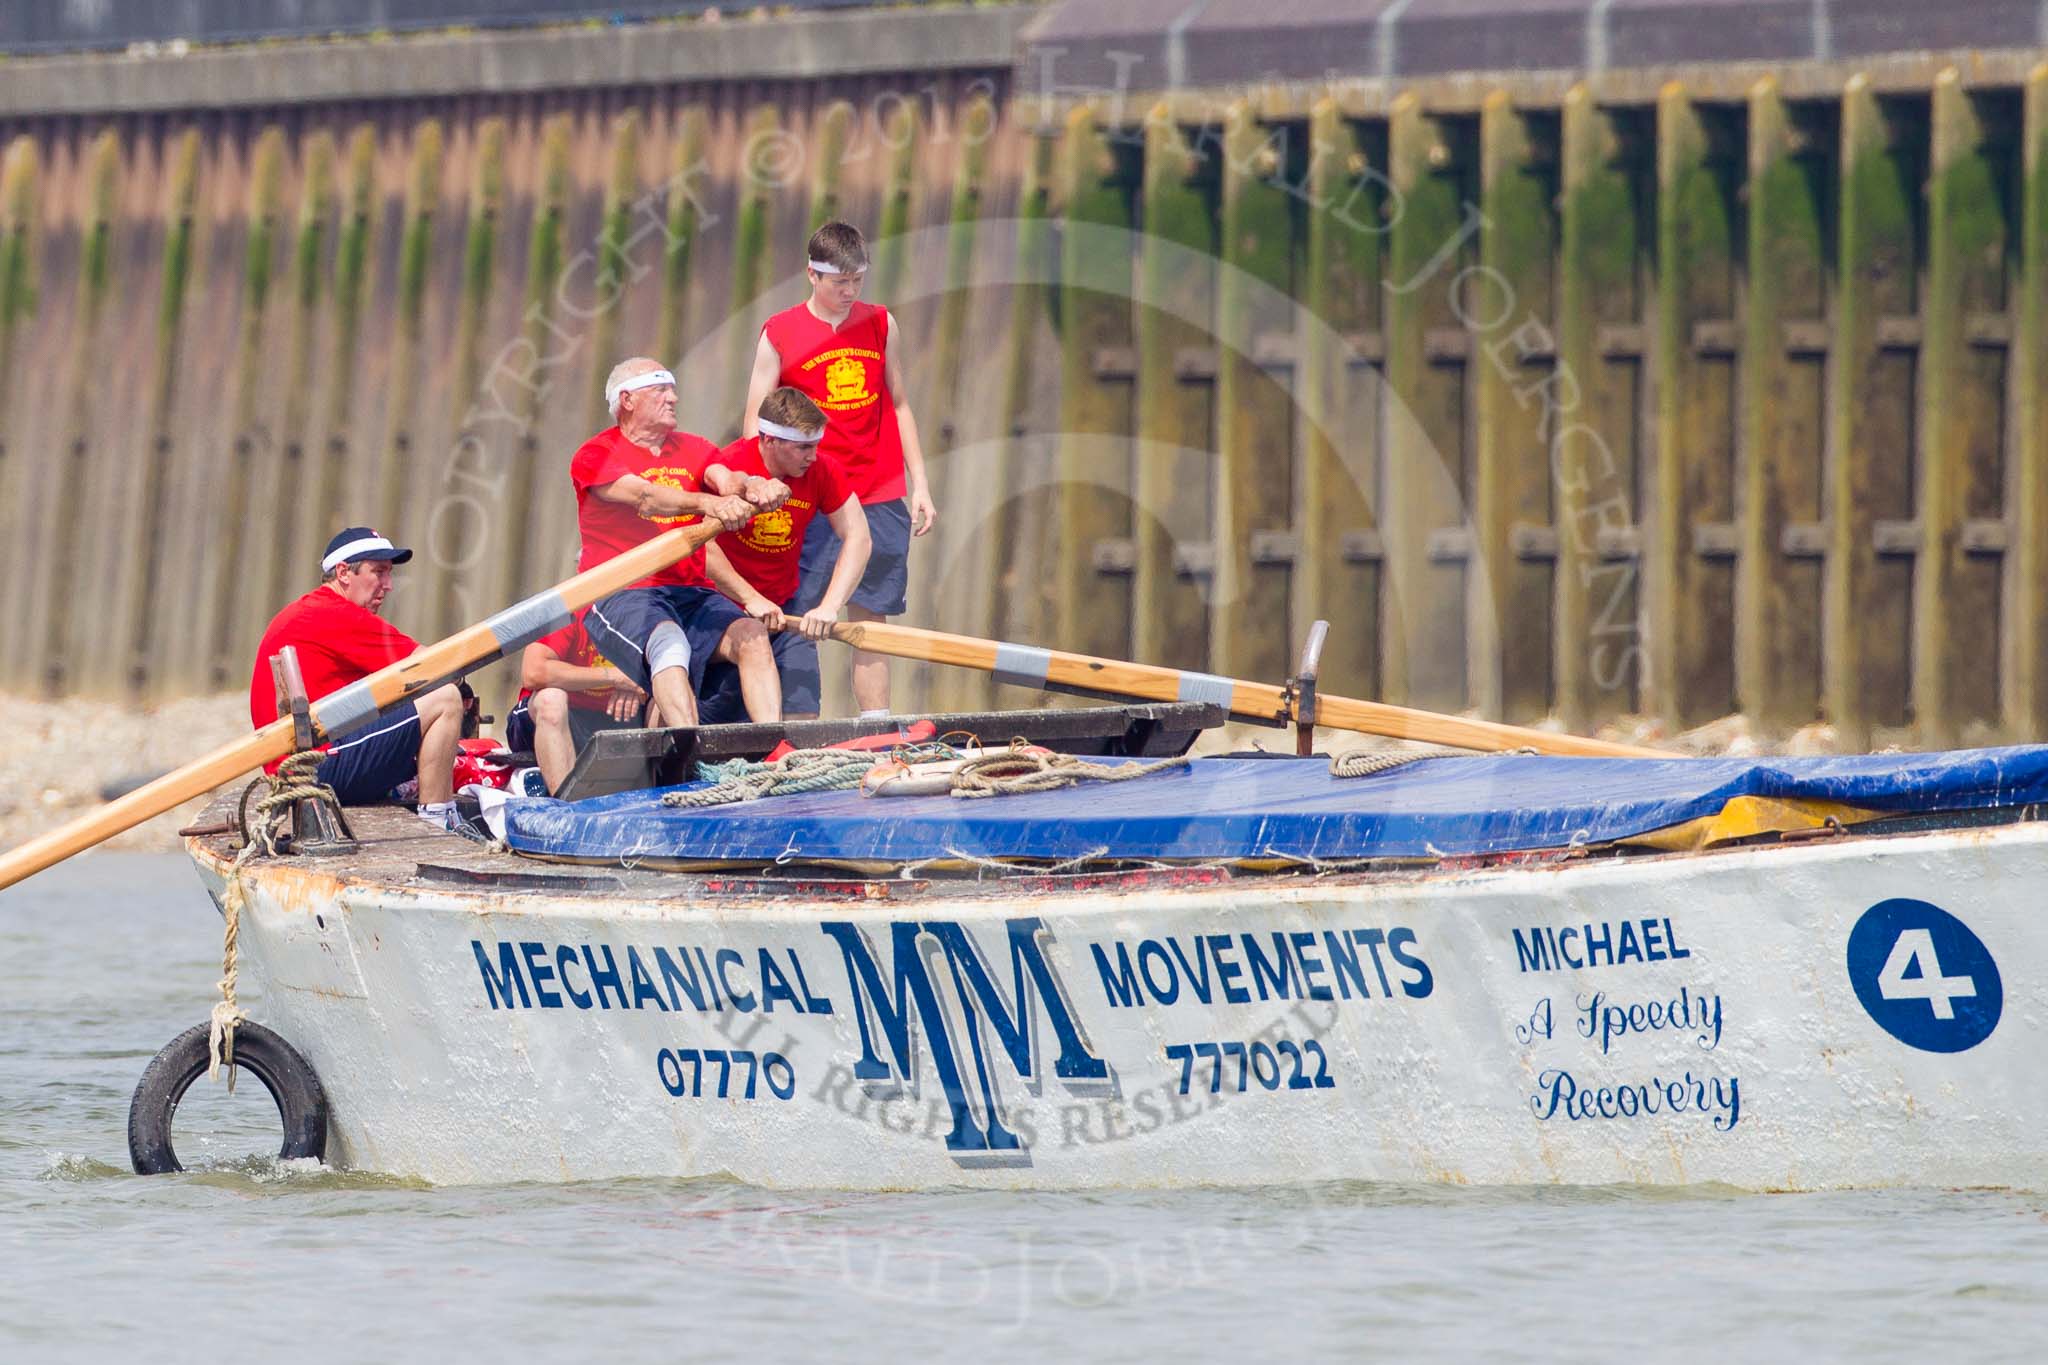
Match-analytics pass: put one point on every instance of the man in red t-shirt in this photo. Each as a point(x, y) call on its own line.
point(843, 354)
point(764, 553)
point(341, 639)
point(570, 693)
point(633, 482)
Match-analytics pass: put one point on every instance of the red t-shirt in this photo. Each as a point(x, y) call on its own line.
point(571, 644)
point(843, 371)
point(765, 551)
point(611, 528)
point(338, 643)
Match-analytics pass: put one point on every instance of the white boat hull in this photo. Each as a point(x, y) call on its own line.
point(1426, 1029)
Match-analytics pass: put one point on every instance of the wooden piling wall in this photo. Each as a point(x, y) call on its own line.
point(1576, 398)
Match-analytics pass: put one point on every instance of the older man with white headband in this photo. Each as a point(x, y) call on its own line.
point(341, 638)
point(633, 482)
point(766, 554)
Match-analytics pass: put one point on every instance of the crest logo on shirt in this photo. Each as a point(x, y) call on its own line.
point(770, 531)
point(846, 382)
point(672, 476)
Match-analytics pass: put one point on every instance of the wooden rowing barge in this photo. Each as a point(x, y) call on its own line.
point(1571, 961)
point(1791, 974)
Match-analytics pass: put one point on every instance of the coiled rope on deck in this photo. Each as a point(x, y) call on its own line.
point(805, 770)
point(800, 770)
point(1023, 770)
point(291, 783)
point(1366, 762)
point(815, 770)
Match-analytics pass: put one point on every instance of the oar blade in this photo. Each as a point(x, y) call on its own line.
point(1428, 727)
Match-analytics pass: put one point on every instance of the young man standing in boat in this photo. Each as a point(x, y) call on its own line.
point(634, 481)
point(843, 354)
point(341, 638)
point(765, 553)
point(570, 693)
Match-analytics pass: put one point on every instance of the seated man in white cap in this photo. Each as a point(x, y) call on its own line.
point(341, 639)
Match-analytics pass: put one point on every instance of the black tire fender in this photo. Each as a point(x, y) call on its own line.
point(301, 1102)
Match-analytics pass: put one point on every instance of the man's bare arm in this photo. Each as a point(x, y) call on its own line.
point(765, 494)
point(729, 581)
point(851, 523)
point(541, 667)
point(652, 499)
point(924, 513)
point(760, 383)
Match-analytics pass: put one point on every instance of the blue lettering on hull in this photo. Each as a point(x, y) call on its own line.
point(1560, 1095)
point(932, 989)
point(900, 1007)
point(1577, 947)
point(1336, 964)
point(597, 976)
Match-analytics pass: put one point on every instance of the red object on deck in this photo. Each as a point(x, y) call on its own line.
point(918, 732)
point(474, 764)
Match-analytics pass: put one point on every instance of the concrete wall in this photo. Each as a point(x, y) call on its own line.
point(101, 24)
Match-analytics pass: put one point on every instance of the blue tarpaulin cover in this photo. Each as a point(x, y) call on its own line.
point(1226, 808)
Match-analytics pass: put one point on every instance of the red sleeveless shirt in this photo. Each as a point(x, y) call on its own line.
point(842, 370)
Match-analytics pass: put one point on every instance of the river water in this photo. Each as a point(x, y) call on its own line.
point(103, 961)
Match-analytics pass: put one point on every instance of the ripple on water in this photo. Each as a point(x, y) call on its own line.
point(246, 1174)
point(82, 1169)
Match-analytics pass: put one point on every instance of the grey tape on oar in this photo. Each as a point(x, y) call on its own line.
point(1023, 665)
point(524, 622)
point(1206, 687)
point(348, 709)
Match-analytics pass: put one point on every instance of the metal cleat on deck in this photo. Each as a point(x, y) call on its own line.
point(318, 828)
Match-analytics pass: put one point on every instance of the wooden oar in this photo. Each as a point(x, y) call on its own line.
point(357, 704)
point(1029, 666)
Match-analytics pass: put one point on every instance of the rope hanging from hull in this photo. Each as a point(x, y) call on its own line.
point(262, 827)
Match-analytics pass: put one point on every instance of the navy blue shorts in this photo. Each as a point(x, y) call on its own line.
point(519, 728)
point(583, 723)
point(620, 624)
point(796, 660)
point(883, 586)
point(721, 703)
point(365, 766)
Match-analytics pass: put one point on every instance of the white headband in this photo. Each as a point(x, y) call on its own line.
point(823, 268)
point(651, 379)
point(354, 547)
point(783, 433)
